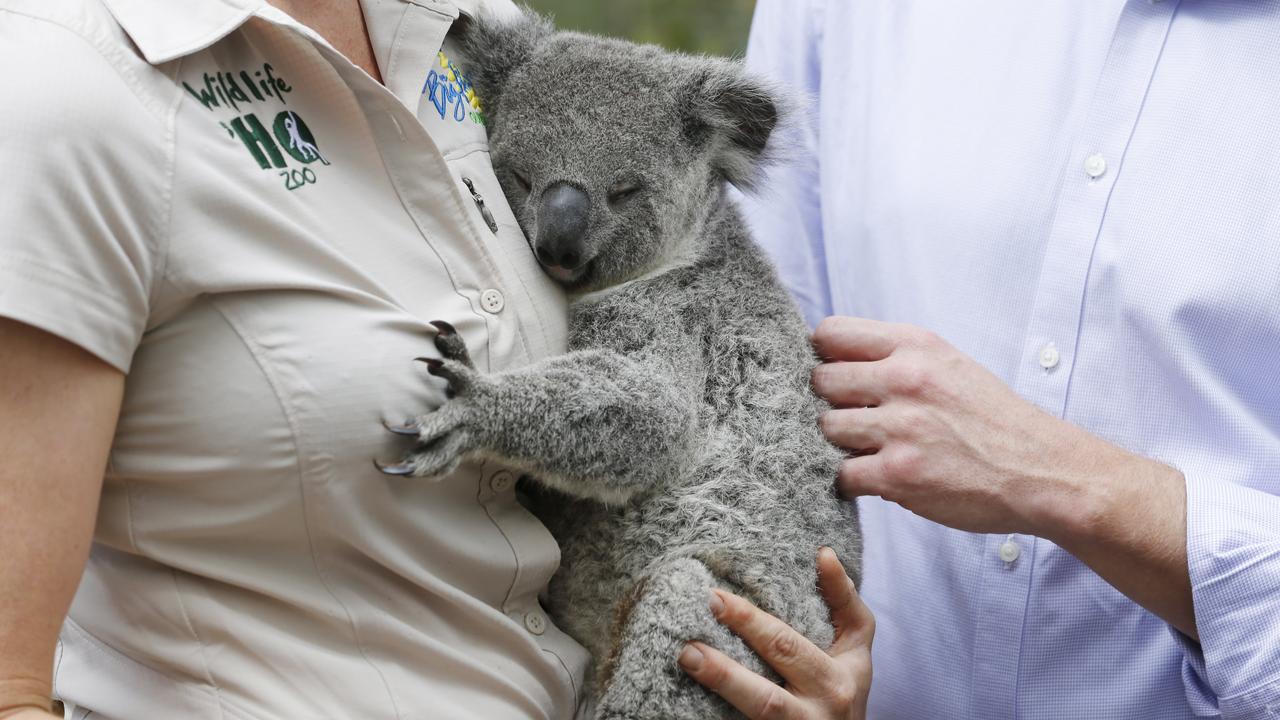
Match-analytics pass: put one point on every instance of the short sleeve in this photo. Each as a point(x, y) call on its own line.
point(785, 213)
point(83, 162)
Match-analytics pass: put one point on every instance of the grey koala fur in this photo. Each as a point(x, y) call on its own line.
point(675, 446)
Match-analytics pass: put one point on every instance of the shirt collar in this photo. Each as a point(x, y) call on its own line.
point(164, 30)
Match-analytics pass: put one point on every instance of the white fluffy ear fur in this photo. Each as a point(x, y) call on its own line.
point(735, 115)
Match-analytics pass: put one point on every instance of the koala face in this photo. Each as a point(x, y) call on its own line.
point(612, 154)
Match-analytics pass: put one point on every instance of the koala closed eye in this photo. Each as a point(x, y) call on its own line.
point(621, 192)
point(522, 181)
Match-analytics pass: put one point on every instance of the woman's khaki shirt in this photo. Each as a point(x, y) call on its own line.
point(210, 198)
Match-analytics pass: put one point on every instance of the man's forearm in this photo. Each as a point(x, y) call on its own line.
point(937, 433)
point(1125, 517)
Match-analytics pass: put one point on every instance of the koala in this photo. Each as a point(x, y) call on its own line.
point(675, 447)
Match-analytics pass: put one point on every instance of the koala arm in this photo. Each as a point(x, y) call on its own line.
point(592, 423)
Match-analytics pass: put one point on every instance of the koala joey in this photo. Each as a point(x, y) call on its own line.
point(675, 447)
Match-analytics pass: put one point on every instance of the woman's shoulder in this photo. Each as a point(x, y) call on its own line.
point(85, 143)
point(70, 68)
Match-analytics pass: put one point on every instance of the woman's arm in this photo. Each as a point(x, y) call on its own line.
point(58, 410)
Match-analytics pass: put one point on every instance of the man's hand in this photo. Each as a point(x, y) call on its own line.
point(940, 435)
point(831, 684)
point(935, 432)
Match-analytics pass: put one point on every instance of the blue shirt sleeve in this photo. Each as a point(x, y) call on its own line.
point(1233, 554)
point(785, 212)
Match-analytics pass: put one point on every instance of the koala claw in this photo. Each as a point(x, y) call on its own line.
point(440, 457)
point(439, 426)
point(401, 469)
point(408, 428)
point(461, 377)
point(443, 327)
point(450, 344)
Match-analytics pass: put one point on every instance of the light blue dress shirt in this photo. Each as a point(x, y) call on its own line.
point(1084, 195)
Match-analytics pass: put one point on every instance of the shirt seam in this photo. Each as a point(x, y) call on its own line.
point(117, 64)
point(164, 226)
point(1272, 686)
point(1022, 631)
point(1250, 698)
point(818, 21)
point(106, 348)
point(84, 289)
point(976, 648)
point(294, 435)
point(165, 118)
point(573, 681)
point(515, 576)
point(1106, 205)
point(186, 619)
point(109, 653)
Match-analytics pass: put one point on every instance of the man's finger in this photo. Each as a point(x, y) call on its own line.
point(855, 625)
point(801, 663)
point(849, 384)
point(856, 429)
point(850, 338)
point(754, 696)
point(863, 475)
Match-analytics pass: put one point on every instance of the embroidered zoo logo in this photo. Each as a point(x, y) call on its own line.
point(451, 92)
point(288, 142)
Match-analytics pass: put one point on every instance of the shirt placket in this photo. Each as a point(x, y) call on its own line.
point(496, 492)
point(437, 208)
point(409, 153)
point(1049, 349)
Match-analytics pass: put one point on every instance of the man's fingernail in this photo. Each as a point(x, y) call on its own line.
point(691, 658)
point(717, 603)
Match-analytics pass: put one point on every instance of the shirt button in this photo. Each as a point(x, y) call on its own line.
point(492, 301)
point(502, 481)
point(535, 622)
point(1009, 551)
point(1095, 165)
point(1049, 357)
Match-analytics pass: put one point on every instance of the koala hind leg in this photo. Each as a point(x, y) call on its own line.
point(641, 680)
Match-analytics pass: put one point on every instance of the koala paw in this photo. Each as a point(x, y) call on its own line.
point(443, 436)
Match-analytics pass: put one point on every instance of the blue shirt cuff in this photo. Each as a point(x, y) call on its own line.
point(1233, 555)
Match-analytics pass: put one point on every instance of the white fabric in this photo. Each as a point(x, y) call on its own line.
point(263, 263)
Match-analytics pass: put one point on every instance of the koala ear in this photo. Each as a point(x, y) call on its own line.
point(733, 115)
point(493, 47)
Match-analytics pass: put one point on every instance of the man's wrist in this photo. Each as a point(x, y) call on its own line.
point(1125, 516)
point(1090, 492)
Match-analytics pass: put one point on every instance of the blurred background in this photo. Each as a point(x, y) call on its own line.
point(717, 27)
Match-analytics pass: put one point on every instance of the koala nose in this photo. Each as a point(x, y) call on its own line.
point(562, 223)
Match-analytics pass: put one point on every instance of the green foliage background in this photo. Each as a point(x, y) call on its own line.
point(707, 26)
